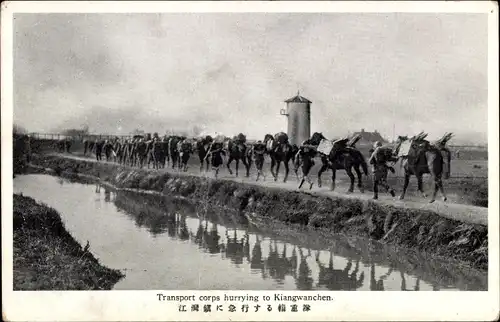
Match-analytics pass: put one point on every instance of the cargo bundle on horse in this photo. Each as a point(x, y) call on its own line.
point(157, 152)
point(419, 157)
point(88, 145)
point(237, 150)
point(256, 154)
point(173, 150)
point(216, 153)
point(202, 147)
point(141, 151)
point(279, 150)
point(63, 145)
point(342, 154)
point(185, 148)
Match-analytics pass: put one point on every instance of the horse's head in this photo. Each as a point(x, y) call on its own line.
point(399, 141)
point(268, 137)
point(316, 138)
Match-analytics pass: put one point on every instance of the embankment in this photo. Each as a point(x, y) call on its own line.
point(47, 257)
point(417, 229)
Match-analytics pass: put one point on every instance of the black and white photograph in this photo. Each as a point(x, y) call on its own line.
point(210, 157)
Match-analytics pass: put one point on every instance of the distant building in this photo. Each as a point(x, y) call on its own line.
point(369, 137)
point(137, 132)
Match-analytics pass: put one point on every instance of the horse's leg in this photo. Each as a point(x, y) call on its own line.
point(273, 163)
point(375, 188)
point(305, 172)
point(441, 188)
point(228, 164)
point(438, 185)
point(296, 165)
point(278, 163)
point(174, 160)
point(351, 177)
point(434, 193)
point(387, 187)
point(405, 186)
point(360, 179)
point(323, 168)
point(302, 181)
point(308, 172)
point(257, 167)
point(237, 165)
point(334, 175)
point(247, 166)
point(287, 169)
point(421, 185)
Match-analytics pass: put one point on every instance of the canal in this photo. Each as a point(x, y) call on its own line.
point(169, 244)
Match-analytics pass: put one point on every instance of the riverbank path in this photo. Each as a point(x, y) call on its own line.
point(460, 212)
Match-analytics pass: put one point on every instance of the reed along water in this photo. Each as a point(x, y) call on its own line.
point(170, 244)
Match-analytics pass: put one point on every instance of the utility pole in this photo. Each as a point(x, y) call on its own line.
point(394, 132)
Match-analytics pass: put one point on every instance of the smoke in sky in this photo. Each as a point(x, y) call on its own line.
point(231, 72)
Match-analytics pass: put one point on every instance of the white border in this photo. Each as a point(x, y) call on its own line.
point(142, 305)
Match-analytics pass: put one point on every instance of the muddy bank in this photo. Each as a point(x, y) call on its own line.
point(47, 257)
point(416, 229)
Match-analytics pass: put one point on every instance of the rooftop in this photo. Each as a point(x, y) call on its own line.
point(298, 99)
point(370, 136)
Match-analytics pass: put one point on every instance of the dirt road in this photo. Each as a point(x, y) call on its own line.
point(460, 212)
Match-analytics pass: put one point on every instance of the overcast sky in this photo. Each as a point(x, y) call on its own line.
point(231, 72)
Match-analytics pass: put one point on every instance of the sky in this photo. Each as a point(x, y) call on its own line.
point(230, 73)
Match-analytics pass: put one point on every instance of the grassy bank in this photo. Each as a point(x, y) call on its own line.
point(416, 229)
point(46, 257)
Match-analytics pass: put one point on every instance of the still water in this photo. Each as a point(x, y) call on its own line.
point(160, 243)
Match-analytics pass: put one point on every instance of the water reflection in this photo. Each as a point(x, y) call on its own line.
point(208, 240)
point(281, 261)
point(378, 284)
point(339, 279)
point(256, 260)
point(237, 249)
point(180, 242)
point(304, 280)
point(279, 265)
